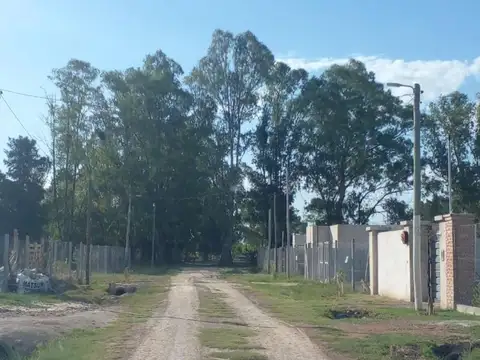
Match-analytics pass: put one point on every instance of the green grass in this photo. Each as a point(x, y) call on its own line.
point(113, 341)
point(380, 347)
point(223, 332)
point(238, 355)
point(27, 300)
point(212, 307)
point(227, 338)
point(311, 305)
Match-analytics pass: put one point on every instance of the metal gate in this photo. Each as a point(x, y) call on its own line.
point(436, 258)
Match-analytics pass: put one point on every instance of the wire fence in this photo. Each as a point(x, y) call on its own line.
point(57, 259)
point(323, 262)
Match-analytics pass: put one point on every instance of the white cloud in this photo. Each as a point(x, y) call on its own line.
point(435, 76)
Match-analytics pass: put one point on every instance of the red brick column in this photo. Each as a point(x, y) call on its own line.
point(458, 256)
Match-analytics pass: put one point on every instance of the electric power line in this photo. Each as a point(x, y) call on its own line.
point(22, 125)
point(27, 95)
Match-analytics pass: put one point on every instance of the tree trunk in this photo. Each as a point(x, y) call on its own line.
point(226, 258)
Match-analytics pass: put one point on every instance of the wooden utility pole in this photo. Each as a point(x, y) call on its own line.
point(275, 232)
point(127, 234)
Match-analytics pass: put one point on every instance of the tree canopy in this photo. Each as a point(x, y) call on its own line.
point(208, 150)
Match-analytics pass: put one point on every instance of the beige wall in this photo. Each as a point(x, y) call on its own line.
point(393, 266)
point(343, 235)
point(340, 233)
point(299, 239)
point(316, 234)
point(357, 232)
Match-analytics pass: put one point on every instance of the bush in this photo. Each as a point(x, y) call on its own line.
point(247, 250)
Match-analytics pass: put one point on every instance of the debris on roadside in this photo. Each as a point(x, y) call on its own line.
point(121, 289)
point(31, 280)
point(26, 281)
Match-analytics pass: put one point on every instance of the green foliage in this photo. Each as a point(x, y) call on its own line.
point(175, 143)
point(247, 250)
point(22, 188)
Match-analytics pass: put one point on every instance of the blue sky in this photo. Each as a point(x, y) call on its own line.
point(430, 42)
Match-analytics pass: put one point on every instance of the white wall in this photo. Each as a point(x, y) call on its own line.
point(393, 266)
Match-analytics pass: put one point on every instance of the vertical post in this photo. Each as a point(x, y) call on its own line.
point(70, 251)
point(335, 258)
point(324, 262)
point(269, 239)
point(287, 207)
point(449, 166)
point(430, 272)
point(284, 253)
point(6, 258)
point(275, 232)
point(88, 239)
point(42, 245)
point(305, 261)
point(352, 264)
point(314, 259)
point(417, 275)
point(127, 235)
point(154, 211)
point(16, 251)
point(27, 251)
point(55, 254)
point(50, 256)
point(105, 258)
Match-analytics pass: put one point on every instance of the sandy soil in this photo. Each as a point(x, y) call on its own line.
point(25, 328)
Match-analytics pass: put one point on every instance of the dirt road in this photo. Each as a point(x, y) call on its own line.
point(282, 342)
point(173, 335)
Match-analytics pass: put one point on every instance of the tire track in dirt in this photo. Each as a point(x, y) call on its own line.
point(281, 342)
point(171, 334)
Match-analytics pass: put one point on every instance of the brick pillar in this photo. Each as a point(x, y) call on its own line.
point(458, 255)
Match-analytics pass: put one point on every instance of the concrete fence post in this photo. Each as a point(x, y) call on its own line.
point(27, 252)
point(352, 263)
point(50, 256)
point(105, 258)
point(70, 256)
point(305, 262)
point(16, 250)
point(80, 264)
point(6, 258)
point(42, 247)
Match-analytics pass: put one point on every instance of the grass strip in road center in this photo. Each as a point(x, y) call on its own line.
point(223, 334)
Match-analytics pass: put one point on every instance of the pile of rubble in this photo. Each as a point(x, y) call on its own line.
point(25, 281)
